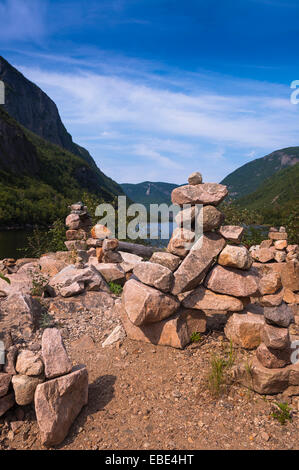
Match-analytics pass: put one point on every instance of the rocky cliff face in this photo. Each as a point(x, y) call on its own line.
point(33, 109)
point(14, 143)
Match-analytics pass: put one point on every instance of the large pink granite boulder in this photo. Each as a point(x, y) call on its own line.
point(54, 355)
point(57, 404)
point(232, 281)
point(195, 266)
point(144, 304)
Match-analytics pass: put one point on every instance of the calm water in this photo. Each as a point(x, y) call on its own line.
point(11, 241)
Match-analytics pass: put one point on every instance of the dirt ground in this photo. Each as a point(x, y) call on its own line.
point(147, 397)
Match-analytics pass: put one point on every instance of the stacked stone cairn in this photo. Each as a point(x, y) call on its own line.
point(46, 379)
point(79, 224)
point(190, 288)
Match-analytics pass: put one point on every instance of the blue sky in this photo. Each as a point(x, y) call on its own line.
point(156, 89)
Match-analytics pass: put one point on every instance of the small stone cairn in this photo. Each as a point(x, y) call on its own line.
point(79, 224)
point(47, 379)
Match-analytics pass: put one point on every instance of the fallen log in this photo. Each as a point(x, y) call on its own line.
point(137, 249)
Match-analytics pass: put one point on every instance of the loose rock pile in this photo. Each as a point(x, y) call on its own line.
point(192, 286)
point(46, 379)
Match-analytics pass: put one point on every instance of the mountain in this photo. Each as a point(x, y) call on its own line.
point(38, 180)
point(149, 193)
point(34, 110)
point(277, 196)
point(248, 178)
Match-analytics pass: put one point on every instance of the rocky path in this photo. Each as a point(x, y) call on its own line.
point(150, 397)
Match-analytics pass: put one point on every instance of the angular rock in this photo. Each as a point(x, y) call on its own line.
point(117, 334)
point(76, 235)
point(266, 243)
point(270, 283)
point(280, 256)
point(54, 354)
point(75, 245)
point(168, 260)
point(5, 380)
point(212, 218)
point(110, 244)
point(144, 304)
point(96, 302)
point(261, 379)
point(195, 178)
point(73, 221)
point(280, 244)
point(292, 257)
point(181, 242)
point(290, 297)
point(273, 300)
point(279, 316)
point(278, 236)
point(195, 266)
point(196, 320)
point(207, 194)
point(231, 281)
point(110, 257)
point(235, 257)
point(290, 275)
point(50, 265)
point(171, 332)
point(6, 403)
point(100, 231)
point(10, 360)
point(292, 248)
point(263, 255)
point(24, 388)
point(111, 272)
point(29, 363)
point(89, 276)
point(58, 403)
point(75, 288)
point(244, 330)
point(21, 314)
point(94, 243)
point(275, 337)
point(154, 275)
point(129, 261)
point(273, 358)
point(204, 299)
point(232, 233)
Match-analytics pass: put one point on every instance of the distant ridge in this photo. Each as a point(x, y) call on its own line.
point(249, 177)
point(149, 192)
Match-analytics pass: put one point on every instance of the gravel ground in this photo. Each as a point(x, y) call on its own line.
point(147, 397)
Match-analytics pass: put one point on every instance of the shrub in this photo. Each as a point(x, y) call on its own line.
point(283, 413)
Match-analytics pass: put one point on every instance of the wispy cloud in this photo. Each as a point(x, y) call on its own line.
point(172, 129)
point(22, 20)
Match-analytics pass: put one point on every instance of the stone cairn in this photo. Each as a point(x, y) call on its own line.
point(185, 290)
point(47, 379)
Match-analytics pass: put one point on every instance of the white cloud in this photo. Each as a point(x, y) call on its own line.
point(172, 130)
